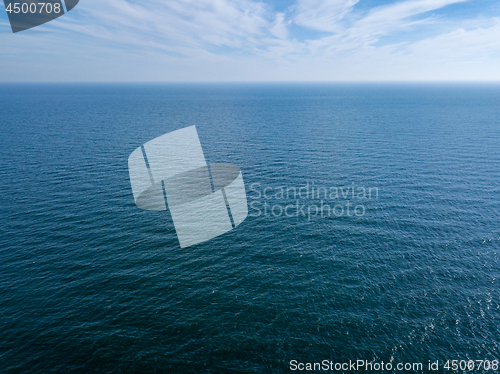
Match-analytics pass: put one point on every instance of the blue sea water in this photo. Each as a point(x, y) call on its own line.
point(90, 283)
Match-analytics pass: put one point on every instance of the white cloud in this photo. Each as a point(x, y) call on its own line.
point(322, 14)
point(279, 28)
point(462, 45)
point(178, 24)
point(385, 19)
point(246, 40)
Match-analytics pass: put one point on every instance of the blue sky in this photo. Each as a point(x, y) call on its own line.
point(244, 40)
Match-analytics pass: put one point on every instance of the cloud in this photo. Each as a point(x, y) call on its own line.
point(191, 28)
point(385, 19)
point(280, 27)
point(462, 45)
point(178, 25)
point(249, 40)
point(322, 14)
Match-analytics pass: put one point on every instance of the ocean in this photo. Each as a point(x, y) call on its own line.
point(401, 268)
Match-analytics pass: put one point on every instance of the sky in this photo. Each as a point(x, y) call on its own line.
point(258, 41)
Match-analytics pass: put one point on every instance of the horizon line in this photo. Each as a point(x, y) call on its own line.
point(262, 82)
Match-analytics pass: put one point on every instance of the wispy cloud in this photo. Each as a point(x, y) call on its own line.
point(186, 27)
point(385, 19)
point(179, 25)
point(246, 38)
point(322, 14)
